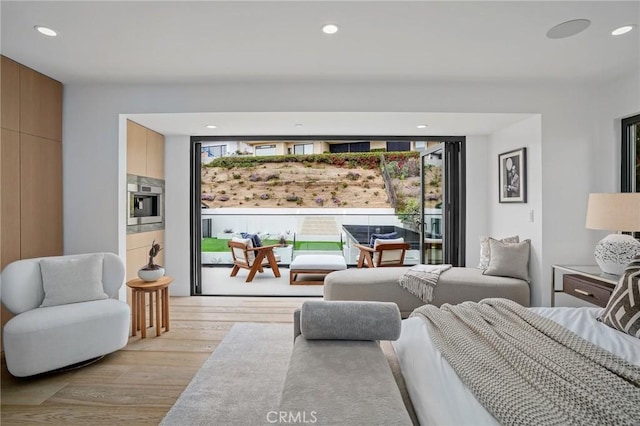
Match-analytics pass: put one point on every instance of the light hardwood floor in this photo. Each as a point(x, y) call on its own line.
point(140, 383)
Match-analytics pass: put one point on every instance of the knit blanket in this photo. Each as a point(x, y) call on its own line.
point(421, 280)
point(529, 370)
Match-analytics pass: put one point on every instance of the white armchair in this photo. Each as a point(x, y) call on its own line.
point(67, 318)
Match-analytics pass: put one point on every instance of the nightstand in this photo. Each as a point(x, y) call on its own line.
point(578, 286)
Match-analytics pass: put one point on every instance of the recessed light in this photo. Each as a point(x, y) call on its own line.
point(211, 126)
point(622, 30)
point(421, 126)
point(46, 31)
point(568, 29)
point(330, 29)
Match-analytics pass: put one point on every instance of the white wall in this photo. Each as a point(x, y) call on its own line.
point(478, 189)
point(93, 208)
point(177, 200)
point(615, 101)
point(514, 219)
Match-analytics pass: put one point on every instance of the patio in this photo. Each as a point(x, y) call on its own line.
point(216, 281)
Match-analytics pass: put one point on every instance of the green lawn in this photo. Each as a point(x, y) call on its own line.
point(220, 245)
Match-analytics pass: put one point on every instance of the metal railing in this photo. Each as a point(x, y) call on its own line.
point(349, 229)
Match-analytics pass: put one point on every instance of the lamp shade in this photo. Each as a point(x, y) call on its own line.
point(614, 211)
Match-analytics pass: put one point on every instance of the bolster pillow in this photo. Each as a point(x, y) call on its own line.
point(341, 320)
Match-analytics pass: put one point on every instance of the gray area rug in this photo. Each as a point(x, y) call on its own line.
point(240, 382)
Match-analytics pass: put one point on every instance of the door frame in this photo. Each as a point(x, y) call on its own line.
point(454, 197)
point(196, 189)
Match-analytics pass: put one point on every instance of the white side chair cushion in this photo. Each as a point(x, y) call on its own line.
point(240, 253)
point(45, 339)
point(319, 262)
point(389, 256)
point(72, 280)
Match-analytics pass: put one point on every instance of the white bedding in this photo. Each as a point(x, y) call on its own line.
point(438, 395)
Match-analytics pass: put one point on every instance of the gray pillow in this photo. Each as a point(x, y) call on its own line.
point(485, 250)
point(623, 309)
point(346, 320)
point(72, 280)
point(509, 260)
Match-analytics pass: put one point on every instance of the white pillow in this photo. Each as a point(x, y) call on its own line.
point(72, 280)
point(389, 256)
point(380, 241)
point(239, 253)
point(485, 249)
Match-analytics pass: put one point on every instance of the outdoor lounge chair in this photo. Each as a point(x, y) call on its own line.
point(246, 256)
point(383, 253)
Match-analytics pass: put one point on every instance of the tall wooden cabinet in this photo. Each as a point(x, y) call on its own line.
point(145, 157)
point(30, 165)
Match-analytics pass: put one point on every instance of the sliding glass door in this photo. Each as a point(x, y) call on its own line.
point(442, 206)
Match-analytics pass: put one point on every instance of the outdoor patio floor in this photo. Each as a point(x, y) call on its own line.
point(216, 281)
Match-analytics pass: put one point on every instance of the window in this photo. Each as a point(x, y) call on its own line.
point(306, 148)
point(266, 150)
point(350, 147)
point(209, 152)
point(630, 178)
point(395, 146)
point(630, 171)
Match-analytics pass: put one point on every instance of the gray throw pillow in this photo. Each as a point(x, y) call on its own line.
point(623, 309)
point(72, 280)
point(509, 260)
point(347, 320)
point(485, 250)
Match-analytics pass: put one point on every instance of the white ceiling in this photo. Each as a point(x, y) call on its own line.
point(167, 42)
point(318, 123)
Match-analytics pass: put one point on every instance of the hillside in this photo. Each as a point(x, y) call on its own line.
point(293, 185)
point(319, 181)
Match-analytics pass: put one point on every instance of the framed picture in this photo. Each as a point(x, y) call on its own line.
point(512, 176)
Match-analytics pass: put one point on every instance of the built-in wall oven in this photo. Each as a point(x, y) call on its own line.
point(145, 204)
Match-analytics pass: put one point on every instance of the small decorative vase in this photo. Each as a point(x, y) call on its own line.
point(151, 275)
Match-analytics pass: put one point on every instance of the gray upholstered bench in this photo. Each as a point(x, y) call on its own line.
point(456, 285)
point(338, 375)
point(314, 264)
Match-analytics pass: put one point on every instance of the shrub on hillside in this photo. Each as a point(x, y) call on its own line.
point(368, 160)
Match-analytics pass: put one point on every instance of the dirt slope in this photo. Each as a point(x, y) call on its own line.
point(293, 185)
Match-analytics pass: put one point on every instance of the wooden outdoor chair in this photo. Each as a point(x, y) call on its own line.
point(384, 253)
point(246, 256)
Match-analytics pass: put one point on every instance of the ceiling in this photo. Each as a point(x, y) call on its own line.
point(169, 42)
point(317, 123)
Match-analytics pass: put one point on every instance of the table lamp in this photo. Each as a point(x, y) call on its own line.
point(615, 212)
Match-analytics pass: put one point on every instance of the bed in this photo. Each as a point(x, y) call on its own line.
point(440, 397)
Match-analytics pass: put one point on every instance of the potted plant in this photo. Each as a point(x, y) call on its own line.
point(152, 271)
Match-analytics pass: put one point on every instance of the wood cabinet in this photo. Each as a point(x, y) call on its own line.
point(30, 165)
point(10, 103)
point(155, 154)
point(136, 149)
point(145, 151)
point(10, 197)
point(40, 105)
point(40, 197)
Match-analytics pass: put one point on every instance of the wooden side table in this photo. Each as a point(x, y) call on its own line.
point(139, 289)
